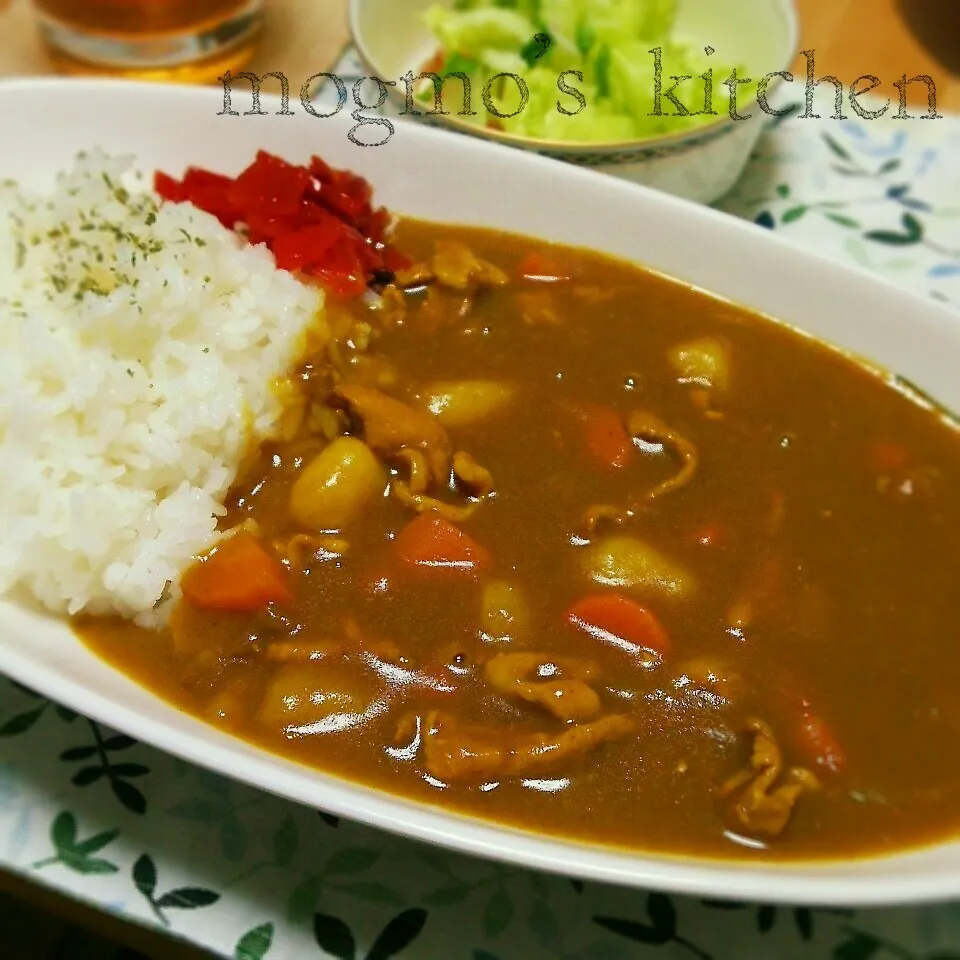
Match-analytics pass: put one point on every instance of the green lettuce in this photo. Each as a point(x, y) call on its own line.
point(474, 32)
point(607, 42)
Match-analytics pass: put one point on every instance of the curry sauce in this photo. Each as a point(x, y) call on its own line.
point(564, 544)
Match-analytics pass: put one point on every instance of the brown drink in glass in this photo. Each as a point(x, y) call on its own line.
point(190, 41)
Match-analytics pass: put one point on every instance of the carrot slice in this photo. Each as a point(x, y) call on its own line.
point(431, 541)
point(238, 575)
point(606, 437)
point(887, 456)
point(537, 266)
point(820, 743)
point(618, 620)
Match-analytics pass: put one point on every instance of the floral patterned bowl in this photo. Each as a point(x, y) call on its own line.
point(700, 164)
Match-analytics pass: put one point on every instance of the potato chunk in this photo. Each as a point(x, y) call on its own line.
point(335, 485)
point(504, 615)
point(321, 696)
point(704, 361)
point(627, 562)
point(462, 403)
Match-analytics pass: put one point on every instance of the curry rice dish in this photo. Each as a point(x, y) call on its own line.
point(550, 539)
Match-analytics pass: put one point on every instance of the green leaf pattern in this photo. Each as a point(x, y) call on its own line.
point(255, 943)
point(861, 191)
point(252, 877)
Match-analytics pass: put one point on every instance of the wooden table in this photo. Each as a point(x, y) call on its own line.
point(886, 38)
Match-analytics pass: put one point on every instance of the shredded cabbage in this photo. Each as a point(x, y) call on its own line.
point(606, 42)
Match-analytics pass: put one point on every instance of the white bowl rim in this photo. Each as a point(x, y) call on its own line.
point(689, 138)
point(873, 881)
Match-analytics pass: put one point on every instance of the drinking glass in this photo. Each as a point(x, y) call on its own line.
point(190, 41)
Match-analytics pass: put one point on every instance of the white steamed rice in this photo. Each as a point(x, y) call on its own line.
point(139, 346)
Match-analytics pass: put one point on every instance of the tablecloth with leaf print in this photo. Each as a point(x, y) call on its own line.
point(246, 875)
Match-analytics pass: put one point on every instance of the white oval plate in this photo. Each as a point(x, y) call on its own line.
point(442, 176)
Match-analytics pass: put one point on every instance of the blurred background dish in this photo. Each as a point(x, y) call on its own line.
point(697, 157)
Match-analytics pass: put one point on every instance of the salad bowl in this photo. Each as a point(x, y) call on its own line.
point(699, 161)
